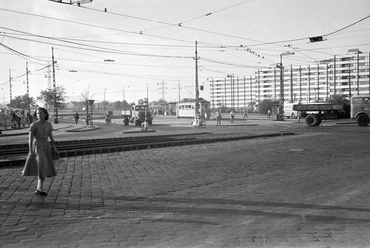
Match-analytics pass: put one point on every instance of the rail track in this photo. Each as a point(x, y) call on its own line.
point(16, 154)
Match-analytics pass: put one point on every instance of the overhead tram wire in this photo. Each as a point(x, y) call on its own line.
point(92, 48)
point(22, 55)
point(350, 25)
point(91, 71)
point(214, 12)
point(230, 64)
point(102, 62)
point(149, 77)
point(260, 43)
point(174, 25)
point(96, 26)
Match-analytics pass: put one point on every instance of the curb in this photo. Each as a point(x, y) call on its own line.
point(17, 162)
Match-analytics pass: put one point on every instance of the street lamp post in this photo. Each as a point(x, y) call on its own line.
point(281, 103)
point(91, 116)
point(104, 99)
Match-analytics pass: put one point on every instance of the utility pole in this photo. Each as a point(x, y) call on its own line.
point(281, 103)
point(55, 89)
point(179, 92)
point(28, 88)
point(104, 99)
point(163, 88)
point(196, 81)
point(10, 86)
point(123, 94)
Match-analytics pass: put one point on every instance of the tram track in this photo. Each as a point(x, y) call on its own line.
point(16, 154)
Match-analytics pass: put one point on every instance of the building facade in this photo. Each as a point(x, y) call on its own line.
point(345, 75)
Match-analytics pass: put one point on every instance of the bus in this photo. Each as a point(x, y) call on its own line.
point(187, 109)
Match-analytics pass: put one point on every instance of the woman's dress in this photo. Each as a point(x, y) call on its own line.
point(41, 164)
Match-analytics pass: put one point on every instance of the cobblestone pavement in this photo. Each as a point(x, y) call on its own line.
point(306, 190)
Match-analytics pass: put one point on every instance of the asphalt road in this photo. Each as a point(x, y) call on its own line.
point(306, 190)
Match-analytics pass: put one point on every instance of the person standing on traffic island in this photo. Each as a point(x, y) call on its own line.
point(39, 161)
point(218, 117)
point(76, 117)
point(232, 116)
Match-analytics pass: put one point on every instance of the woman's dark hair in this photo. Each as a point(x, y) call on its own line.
point(43, 110)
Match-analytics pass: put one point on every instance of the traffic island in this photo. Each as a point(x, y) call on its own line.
point(82, 129)
point(139, 130)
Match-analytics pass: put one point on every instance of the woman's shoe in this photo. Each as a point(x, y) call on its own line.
point(40, 193)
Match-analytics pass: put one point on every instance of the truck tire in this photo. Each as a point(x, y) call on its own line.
point(313, 120)
point(362, 120)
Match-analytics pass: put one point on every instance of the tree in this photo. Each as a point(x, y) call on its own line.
point(266, 105)
point(104, 104)
point(49, 96)
point(85, 96)
point(117, 105)
point(161, 101)
point(126, 105)
point(338, 99)
point(22, 102)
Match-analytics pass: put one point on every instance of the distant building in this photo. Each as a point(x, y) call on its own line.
point(345, 75)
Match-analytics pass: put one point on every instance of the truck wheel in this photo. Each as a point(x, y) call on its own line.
point(362, 120)
point(313, 120)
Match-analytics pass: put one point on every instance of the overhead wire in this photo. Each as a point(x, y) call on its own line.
point(350, 25)
point(259, 43)
point(91, 25)
point(90, 47)
point(214, 12)
point(179, 24)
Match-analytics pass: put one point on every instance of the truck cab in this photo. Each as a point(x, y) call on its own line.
point(137, 115)
point(360, 109)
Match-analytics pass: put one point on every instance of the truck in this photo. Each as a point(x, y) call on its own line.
point(137, 115)
point(314, 113)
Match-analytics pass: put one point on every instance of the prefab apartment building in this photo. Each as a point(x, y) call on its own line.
point(345, 75)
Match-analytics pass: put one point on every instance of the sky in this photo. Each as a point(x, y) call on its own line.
point(133, 49)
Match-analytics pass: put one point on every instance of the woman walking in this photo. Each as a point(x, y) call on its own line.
point(39, 161)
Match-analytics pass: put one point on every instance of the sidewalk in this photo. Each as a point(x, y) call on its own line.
point(278, 192)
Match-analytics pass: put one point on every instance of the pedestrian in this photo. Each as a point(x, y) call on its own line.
point(268, 113)
point(14, 120)
point(19, 117)
point(39, 161)
point(29, 118)
point(218, 117)
point(232, 116)
point(246, 113)
point(76, 116)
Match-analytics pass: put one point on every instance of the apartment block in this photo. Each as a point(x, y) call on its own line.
point(345, 75)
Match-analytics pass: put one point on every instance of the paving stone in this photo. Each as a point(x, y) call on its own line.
point(250, 193)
